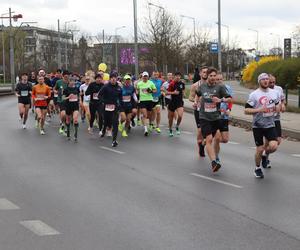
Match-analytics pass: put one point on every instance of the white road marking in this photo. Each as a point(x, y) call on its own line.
point(215, 180)
point(39, 228)
point(112, 150)
point(186, 132)
point(233, 143)
point(253, 147)
point(7, 205)
point(296, 155)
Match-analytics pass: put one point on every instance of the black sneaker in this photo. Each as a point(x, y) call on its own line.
point(268, 164)
point(114, 144)
point(258, 173)
point(215, 166)
point(133, 123)
point(146, 133)
point(264, 161)
point(201, 150)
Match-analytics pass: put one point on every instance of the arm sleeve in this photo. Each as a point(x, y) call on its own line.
point(152, 86)
point(89, 89)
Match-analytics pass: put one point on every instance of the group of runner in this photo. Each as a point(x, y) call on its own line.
point(120, 103)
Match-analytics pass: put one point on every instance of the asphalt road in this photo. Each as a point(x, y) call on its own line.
point(151, 193)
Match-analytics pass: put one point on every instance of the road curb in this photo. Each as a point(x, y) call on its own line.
point(248, 124)
point(6, 93)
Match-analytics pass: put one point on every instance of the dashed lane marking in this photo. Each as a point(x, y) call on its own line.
point(112, 150)
point(215, 180)
point(7, 205)
point(39, 228)
point(296, 155)
point(233, 143)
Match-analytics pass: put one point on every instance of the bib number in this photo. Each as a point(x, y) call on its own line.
point(55, 95)
point(110, 107)
point(24, 93)
point(210, 107)
point(73, 98)
point(127, 98)
point(40, 97)
point(95, 96)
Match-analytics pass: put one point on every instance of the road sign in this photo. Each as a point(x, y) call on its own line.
point(257, 58)
point(287, 48)
point(214, 48)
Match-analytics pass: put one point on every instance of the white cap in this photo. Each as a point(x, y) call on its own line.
point(145, 73)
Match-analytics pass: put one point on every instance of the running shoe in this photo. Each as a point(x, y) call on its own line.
point(120, 127)
point(91, 131)
point(215, 166)
point(61, 130)
point(133, 123)
point(109, 133)
point(114, 144)
point(146, 133)
point(258, 173)
point(124, 134)
point(139, 123)
point(264, 161)
point(201, 150)
point(178, 132)
point(269, 164)
point(23, 126)
point(158, 130)
point(171, 133)
point(150, 128)
point(42, 131)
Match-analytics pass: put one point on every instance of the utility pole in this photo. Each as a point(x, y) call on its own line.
point(136, 53)
point(58, 46)
point(11, 54)
point(103, 50)
point(219, 37)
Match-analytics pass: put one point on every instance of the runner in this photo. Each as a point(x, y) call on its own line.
point(210, 95)
point(156, 114)
point(222, 135)
point(145, 88)
point(59, 88)
point(194, 87)
point(85, 99)
point(176, 90)
point(129, 98)
point(40, 94)
point(265, 162)
point(23, 92)
point(262, 104)
point(95, 104)
point(138, 112)
point(111, 95)
point(58, 76)
point(71, 98)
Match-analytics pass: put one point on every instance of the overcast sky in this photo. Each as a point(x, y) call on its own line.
point(266, 16)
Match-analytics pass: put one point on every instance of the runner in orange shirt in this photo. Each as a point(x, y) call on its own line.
point(40, 94)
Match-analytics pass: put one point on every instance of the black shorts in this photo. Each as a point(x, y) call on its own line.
point(134, 104)
point(25, 101)
point(209, 127)
point(224, 125)
point(259, 134)
point(55, 101)
point(167, 101)
point(71, 107)
point(126, 110)
point(41, 107)
point(155, 104)
point(278, 128)
point(173, 105)
point(197, 119)
point(147, 105)
point(62, 106)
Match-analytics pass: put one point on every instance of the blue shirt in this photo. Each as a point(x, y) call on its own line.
point(127, 94)
point(158, 83)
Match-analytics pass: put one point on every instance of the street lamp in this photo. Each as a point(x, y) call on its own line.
point(116, 46)
point(227, 58)
point(136, 53)
point(256, 39)
point(219, 37)
point(66, 48)
point(157, 6)
point(194, 22)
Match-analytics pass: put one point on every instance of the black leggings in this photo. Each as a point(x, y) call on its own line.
point(111, 120)
point(96, 107)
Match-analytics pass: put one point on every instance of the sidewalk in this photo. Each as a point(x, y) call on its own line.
point(290, 122)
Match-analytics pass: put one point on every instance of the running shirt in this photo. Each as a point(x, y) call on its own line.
point(208, 109)
point(23, 89)
point(73, 92)
point(83, 88)
point(41, 93)
point(143, 87)
point(180, 87)
point(282, 99)
point(60, 86)
point(259, 99)
point(127, 95)
point(166, 86)
point(158, 83)
point(93, 90)
point(111, 96)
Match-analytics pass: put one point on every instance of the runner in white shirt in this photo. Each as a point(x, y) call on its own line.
point(85, 100)
point(262, 104)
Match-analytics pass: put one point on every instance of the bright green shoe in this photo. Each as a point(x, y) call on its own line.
point(150, 128)
point(158, 130)
point(61, 130)
point(139, 123)
point(121, 128)
point(124, 133)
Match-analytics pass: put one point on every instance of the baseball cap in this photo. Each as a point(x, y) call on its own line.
point(127, 77)
point(145, 73)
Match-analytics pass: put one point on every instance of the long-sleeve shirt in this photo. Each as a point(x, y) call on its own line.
point(93, 91)
point(111, 95)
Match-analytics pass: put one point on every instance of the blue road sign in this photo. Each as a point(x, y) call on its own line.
point(214, 48)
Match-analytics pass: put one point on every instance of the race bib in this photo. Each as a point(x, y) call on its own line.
point(210, 107)
point(73, 98)
point(155, 99)
point(110, 107)
point(24, 92)
point(95, 96)
point(55, 95)
point(127, 98)
point(145, 91)
point(40, 97)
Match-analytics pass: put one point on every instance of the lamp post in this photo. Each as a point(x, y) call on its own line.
point(136, 53)
point(227, 58)
point(194, 23)
point(219, 37)
point(66, 47)
point(116, 46)
point(256, 39)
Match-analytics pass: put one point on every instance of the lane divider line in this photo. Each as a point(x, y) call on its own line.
point(296, 155)
point(215, 180)
point(112, 150)
point(233, 143)
point(7, 205)
point(39, 228)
